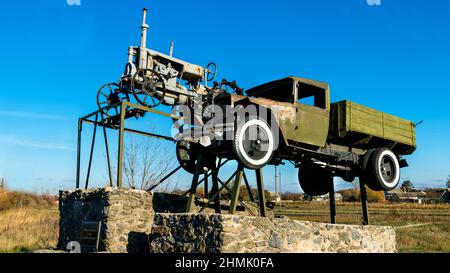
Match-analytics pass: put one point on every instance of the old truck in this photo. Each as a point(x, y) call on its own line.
point(321, 138)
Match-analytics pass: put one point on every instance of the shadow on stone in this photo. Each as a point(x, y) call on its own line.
point(138, 242)
point(169, 203)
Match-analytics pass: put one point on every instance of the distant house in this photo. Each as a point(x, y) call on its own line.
point(337, 197)
point(398, 195)
point(437, 195)
point(445, 198)
point(275, 196)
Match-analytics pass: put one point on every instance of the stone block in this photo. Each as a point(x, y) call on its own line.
point(126, 216)
point(203, 233)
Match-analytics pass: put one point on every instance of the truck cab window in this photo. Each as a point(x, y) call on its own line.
point(281, 91)
point(311, 95)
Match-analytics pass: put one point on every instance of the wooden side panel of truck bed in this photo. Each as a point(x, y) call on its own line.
point(362, 127)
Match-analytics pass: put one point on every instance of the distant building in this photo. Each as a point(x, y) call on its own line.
point(398, 195)
point(275, 196)
point(437, 195)
point(445, 198)
point(337, 196)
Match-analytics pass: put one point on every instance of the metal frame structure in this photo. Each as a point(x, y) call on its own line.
point(117, 122)
point(126, 110)
point(234, 191)
point(97, 118)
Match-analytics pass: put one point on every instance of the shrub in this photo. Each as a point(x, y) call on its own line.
point(16, 199)
point(292, 196)
point(353, 195)
point(375, 196)
point(4, 199)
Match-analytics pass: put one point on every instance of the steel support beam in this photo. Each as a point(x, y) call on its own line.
point(247, 185)
point(105, 136)
point(198, 169)
point(331, 199)
point(94, 134)
point(80, 128)
point(215, 192)
point(215, 189)
point(137, 132)
point(235, 190)
point(205, 191)
point(261, 195)
point(364, 204)
point(120, 147)
point(203, 179)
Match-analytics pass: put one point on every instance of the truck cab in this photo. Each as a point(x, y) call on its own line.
point(305, 119)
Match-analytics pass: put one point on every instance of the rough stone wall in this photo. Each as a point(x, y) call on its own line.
point(200, 233)
point(126, 217)
point(129, 224)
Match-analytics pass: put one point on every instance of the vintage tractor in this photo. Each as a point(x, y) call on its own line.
point(153, 78)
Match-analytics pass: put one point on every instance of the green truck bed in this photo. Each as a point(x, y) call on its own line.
point(358, 126)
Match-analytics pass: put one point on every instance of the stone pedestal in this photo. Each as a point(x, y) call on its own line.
point(126, 216)
point(200, 233)
point(132, 222)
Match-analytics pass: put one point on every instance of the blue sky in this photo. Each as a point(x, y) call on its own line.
point(394, 58)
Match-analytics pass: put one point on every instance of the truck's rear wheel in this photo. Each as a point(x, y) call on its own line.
point(314, 180)
point(382, 172)
point(253, 142)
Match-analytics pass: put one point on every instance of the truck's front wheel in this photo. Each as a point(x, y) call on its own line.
point(382, 172)
point(254, 142)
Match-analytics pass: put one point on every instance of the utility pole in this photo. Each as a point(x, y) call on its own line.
point(277, 183)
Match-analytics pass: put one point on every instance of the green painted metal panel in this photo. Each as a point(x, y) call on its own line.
point(348, 118)
point(312, 125)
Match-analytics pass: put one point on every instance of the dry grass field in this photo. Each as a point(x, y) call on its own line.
point(27, 221)
point(26, 229)
point(420, 228)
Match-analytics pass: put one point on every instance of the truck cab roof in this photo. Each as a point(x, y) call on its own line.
point(284, 90)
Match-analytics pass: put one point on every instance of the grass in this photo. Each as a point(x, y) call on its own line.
point(427, 238)
point(26, 229)
point(27, 221)
point(419, 228)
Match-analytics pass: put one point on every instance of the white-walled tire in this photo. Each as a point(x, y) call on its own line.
point(253, 143)
point(383, 170)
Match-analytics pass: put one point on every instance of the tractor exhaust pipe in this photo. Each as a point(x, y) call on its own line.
point(143, 62)
point(144, 28)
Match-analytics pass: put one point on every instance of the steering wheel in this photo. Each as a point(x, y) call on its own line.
point(211, 71)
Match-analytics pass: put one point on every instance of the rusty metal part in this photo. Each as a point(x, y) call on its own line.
point(108, 95)
point(187, 154)
point(148, 87)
